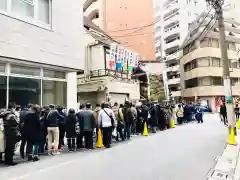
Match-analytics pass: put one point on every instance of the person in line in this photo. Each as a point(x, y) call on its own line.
point(2, 143)
point(53, 130)
point(17, 112)
point(236, 111)
point(61, 127)
point(199, 114)
point(180, 114)
point(22, 116)
point(10, 133)
point(120, 123)
point(106, 120)
point(70, 124)
point(154, 118)
point(88, 125)
point(32, 132)
point(134, 121)
point(43, 133)
point(79, 133)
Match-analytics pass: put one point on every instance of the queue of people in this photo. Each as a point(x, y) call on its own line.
point(43, 129)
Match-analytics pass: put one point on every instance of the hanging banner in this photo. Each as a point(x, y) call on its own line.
point(119, 58)
point(111, 64)
point(125, 60)
point(130, 61)
point(136, 60)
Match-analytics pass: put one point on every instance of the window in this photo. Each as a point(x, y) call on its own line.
point(234, 65)
point(214, 43)
point(216, 62)
point(232, 46)
point(217, 81)
point(3, 4)
point(24, 90)
point(39, 10)
point(44, 11)
point(204, 43)
point(203, 62)
point(23, 7)
point(54, 74)
point(191, 83)
point(23, 70)
point(3, 92)
point(54, 92)
point(204, 81)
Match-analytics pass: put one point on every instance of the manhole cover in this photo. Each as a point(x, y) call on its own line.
point(219, 175)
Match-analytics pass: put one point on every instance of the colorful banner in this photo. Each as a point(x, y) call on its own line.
point(125, 60)
point(130, 62)
point(136, 60)
point(119, 58)
point(111, 64)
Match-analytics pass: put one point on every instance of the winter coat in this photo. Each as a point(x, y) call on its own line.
point(10, 125)
point(32, 128)
point(70, 125)
point(87, 120)
point(104, 120)
point(154, 116)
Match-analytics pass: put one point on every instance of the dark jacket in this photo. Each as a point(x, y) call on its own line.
point(87, 120)
point(32, 128)
point(154, 115)
point(70, 125)
point(52, 119)
point(23, 114)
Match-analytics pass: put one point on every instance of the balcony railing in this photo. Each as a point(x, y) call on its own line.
point(108, 72)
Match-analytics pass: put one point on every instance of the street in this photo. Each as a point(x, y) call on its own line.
point(184, 153)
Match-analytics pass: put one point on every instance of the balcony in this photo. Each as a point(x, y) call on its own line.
point(173, 68)
point(173, 56)
point(170, 8)
point(157, 34)
point(107, 72)
point(172, 20)
point(158, 54)
point(158, 43)
point(172, 31)
point(173, 44)
point(173, 81)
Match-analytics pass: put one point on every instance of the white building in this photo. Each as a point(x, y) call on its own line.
point(172, 18)
point(41, 51)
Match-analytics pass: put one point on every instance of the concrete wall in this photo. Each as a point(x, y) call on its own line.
point(59, 43)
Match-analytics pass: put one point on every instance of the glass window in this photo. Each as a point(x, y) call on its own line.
point(217, 81)
point(23, 7)
point(3, 4)
point(204, 43)
point(54, 74)
point(234, 65)
point(54, 92)
point(16, 69)
point(203, 62)
point(204, 81)
point(2, 66)
point(216, 62)
point(3, 91)
point(43, 11)
point(24, 90)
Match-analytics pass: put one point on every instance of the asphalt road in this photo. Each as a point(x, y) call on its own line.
point(183, 153)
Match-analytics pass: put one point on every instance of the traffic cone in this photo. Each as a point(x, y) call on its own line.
point(238, 123)
point(232, 140)
point(99, 140)
point(145, 130)
point(172, 123)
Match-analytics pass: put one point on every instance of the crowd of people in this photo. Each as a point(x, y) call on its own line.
point(43, 129)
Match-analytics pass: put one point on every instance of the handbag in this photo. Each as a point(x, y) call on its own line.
point(110, 116)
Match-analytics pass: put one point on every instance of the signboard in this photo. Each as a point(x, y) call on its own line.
point(111, 62)
point(119, 58)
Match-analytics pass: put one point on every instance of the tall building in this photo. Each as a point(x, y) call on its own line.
point(172, 19)
point(201, 65)
point(41, 51)
point(130, 23)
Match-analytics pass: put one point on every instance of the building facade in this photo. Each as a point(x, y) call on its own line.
point(173, 18)
point(201, 65)
point(99, 83)
point(40, 51)
point(130, 23)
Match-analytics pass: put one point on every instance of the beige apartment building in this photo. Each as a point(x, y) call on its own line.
point(130, 23)
point(201, 65)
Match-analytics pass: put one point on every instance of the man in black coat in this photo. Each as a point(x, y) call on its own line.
point(11, 134)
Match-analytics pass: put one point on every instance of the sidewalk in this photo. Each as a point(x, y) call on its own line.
point(228, 164)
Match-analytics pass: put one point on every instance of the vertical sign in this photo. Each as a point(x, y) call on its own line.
point(136, 60)
point(119, 57)
point(111, 64)
point(130, 61)
point(125, 59)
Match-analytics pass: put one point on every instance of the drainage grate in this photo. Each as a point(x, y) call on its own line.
point(218, 175)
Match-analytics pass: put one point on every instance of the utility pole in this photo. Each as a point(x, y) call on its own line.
point(217, 5)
